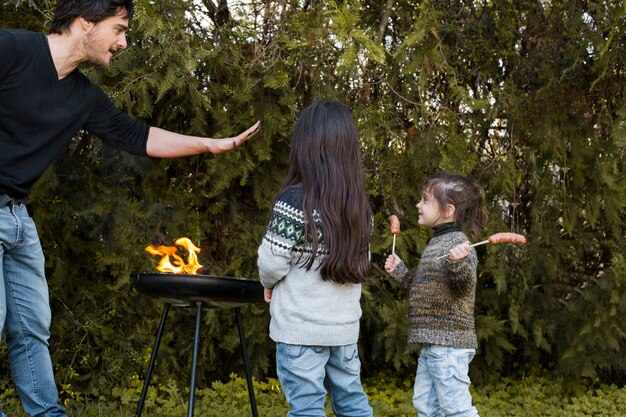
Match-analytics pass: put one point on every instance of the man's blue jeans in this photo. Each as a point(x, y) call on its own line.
point(307, 373)
point(442, 382)
point(25, 312)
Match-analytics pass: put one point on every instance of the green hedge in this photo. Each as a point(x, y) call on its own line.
point(526, 97)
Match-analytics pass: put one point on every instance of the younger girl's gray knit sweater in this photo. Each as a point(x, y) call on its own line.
point(441, 294)
point(305, 309)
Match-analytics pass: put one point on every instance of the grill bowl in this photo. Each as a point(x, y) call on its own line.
point(185, 290)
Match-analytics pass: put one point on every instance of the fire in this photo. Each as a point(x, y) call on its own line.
point(177, 265)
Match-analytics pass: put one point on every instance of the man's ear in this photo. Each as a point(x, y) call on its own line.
point(85, 24)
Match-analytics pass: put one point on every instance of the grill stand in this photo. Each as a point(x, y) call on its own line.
point(194, 360)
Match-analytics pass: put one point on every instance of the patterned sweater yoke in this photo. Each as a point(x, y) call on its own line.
point(286, 230)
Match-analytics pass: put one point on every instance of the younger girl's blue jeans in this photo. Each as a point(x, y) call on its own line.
point(307, 373)
point(442, 382)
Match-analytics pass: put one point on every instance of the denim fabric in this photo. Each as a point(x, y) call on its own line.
point(442, 382)
point(308, 373)
point(25, 312)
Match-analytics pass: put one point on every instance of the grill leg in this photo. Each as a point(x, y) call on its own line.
point(155, 349)
point(246, 363)
point(194, 360)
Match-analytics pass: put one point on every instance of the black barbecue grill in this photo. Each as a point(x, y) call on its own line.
point(199, 291)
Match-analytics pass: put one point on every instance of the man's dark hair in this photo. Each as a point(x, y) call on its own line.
point(91, 10)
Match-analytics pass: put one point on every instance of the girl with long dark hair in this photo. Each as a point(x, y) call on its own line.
point(312, 262)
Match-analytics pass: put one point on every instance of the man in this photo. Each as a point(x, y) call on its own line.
point(44, 101)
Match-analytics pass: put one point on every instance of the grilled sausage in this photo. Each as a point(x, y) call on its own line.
point(394, 224)
point(507, 237)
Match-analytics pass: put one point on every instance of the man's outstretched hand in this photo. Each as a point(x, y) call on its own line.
point(218, 146)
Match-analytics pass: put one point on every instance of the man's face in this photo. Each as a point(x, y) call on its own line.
point(105, 38)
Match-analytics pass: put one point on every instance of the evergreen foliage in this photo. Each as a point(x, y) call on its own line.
point(527, 97)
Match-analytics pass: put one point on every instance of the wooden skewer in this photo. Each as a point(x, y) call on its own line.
point(471, 246)
point(393, 246)
point(479, 243)
point(497, 238)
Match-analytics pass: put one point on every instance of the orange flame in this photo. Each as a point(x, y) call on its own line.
point(177, 265)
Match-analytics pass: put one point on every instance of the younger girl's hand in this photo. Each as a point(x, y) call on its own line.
point(459, 252)
point(267, 294)
point(392, 261)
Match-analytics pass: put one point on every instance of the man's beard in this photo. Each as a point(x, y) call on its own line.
point(102, 66)
point(96, 59)
point(100, 63)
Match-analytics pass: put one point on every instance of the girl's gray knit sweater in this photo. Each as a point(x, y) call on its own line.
point(305, 310)
point(441, 294)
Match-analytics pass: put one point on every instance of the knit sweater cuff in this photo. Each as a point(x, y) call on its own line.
point(400, 272)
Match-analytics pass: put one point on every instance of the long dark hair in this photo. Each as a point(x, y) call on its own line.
point(467, 196)
point(91, 10)
point(325, 157)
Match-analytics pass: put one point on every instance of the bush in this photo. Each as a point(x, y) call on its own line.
point(548, 396)
point(527, 396)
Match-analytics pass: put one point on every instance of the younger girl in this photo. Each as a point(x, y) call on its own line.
point(312, 261)
point(442, 290)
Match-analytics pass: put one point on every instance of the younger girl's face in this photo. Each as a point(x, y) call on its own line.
point(430, 213)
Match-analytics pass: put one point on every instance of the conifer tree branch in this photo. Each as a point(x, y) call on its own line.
point(382, 27)
point(218, 13)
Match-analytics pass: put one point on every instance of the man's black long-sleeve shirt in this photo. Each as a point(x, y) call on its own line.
point(39, 114)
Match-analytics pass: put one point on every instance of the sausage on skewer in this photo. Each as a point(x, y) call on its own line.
point(498, 238)
point(394, 225)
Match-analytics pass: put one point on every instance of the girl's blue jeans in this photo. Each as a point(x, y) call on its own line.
point(442, 382)
point(308, 373)
point(25, 312)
